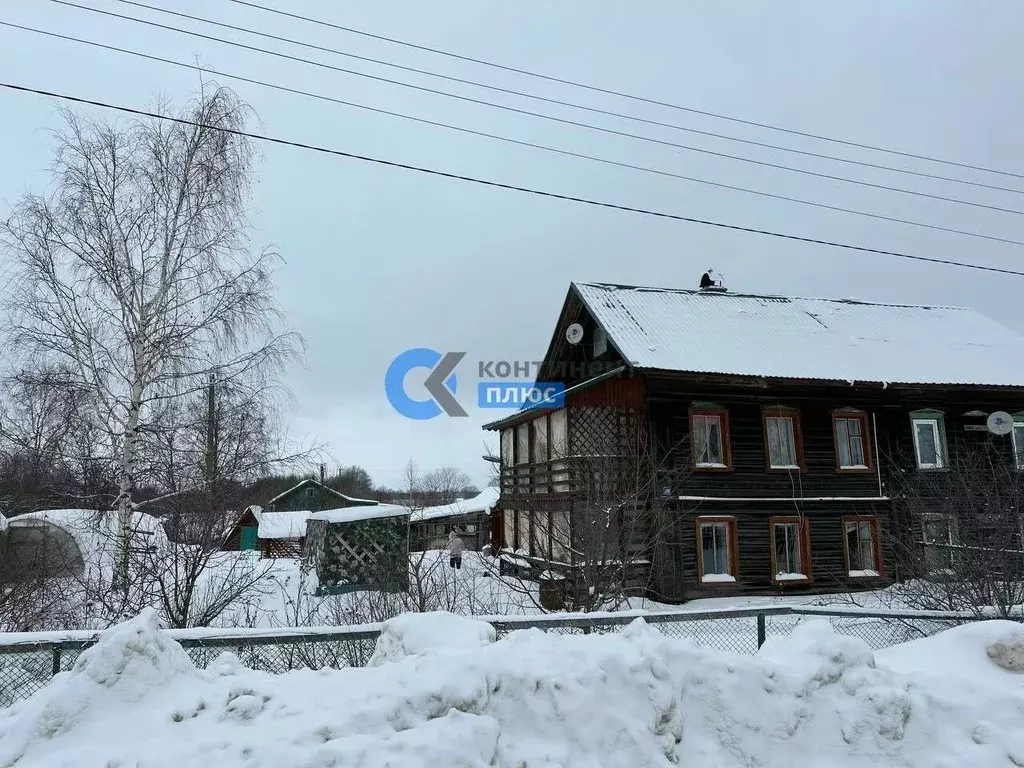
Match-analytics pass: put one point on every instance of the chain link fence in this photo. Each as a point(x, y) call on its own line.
point(27, 662)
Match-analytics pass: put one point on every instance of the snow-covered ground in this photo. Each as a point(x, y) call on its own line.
point(440, 691)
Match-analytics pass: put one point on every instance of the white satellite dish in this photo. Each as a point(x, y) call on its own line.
point(574, 333)
point(999, 423)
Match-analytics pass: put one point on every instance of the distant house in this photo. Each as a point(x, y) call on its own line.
point(278, 529)
point(470, 518)
point(359, 548)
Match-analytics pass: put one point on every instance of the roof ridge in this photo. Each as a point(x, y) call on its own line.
point(781, 297)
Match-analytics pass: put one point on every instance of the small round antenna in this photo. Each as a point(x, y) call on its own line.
point(999, 423)
point(574, 333)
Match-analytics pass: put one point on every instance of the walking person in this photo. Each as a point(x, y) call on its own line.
point(455, 547)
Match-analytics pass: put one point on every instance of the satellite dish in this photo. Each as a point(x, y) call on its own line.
point(1000, 423)
point(574, 333)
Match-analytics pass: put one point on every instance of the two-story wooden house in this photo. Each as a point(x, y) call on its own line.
point(771, 427)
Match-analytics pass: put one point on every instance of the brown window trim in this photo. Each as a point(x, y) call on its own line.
point(865, 432)
point(805, 549)
point(734, 551)
point(798, 437)
point(876, 540)
point(723, 414)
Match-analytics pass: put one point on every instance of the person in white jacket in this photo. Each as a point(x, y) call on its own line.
point(455, 547)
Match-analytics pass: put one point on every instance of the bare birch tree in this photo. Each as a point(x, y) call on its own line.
point(134, 275)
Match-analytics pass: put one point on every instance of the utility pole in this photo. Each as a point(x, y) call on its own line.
point(211, 434)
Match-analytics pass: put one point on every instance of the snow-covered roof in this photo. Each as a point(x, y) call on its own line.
point(828, 339)
point(355, 514)
point(89, 519)
point(307, 481)
point(282, 525)
point(482, 502)
point(95, 532)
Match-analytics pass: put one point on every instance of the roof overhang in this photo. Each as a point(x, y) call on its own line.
point(531, 413)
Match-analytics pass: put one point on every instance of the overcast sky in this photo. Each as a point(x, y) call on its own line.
point(379, 260)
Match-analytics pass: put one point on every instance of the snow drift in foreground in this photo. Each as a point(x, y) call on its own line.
point(443, 693)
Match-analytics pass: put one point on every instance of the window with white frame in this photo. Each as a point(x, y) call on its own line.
point(939, 536)
point(852, 451)
point(781, 435)
point(717, 550)
point(929, 439)
point(789, 549)
point(1018, 440)
point(860, 542)
point(710, 441)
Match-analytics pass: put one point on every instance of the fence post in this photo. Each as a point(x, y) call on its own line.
point(761, 632)
point(55, 669)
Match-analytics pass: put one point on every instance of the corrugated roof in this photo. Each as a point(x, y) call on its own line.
point(781, 337)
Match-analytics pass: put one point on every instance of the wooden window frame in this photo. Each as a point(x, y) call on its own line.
point(723, 415)
point(876, 545)
point(865, 436)
point(805, 548)
point(734, 551)
point(938, 418)
point(798, 437)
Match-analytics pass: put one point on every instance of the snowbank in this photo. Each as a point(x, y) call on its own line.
point(417, 634)
point(981, 655)
point(531, 699)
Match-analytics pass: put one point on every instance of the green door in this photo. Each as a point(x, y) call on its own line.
point(249, 538)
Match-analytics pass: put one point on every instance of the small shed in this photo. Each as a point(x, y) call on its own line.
point(278, 529)
point(469, 518)
point(359, 548)
point(241, 535)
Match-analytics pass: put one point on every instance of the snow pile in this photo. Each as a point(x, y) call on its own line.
point(419, 634)
point(133, 661)
point(528, 700)
point(981, 655)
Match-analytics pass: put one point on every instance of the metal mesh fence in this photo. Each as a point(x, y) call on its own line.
point(27, 666)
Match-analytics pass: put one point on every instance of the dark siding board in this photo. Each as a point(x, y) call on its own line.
point(749, 475)
point(677, 581)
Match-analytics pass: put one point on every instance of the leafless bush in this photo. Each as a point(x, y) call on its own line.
point(965, 551)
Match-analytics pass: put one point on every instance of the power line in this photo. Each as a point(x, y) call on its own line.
point(560, 102)
point(543, 147)
point(541, 115)
point(503, 185)
point(622, 94)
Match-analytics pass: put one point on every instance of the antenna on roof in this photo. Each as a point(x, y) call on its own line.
point(711, 283)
